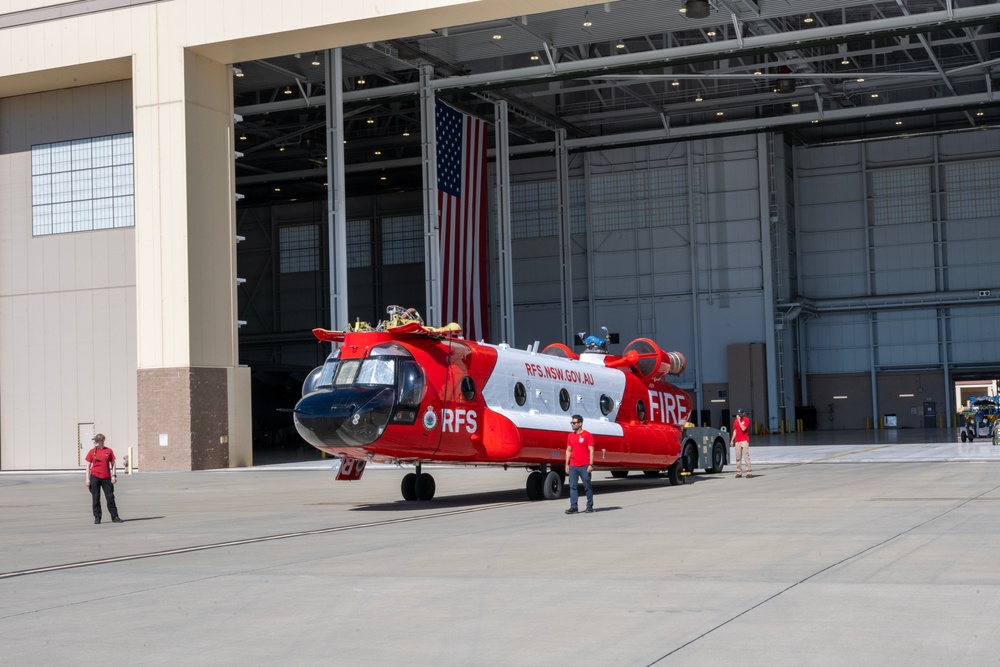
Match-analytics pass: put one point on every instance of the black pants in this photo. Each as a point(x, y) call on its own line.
point(96, 484)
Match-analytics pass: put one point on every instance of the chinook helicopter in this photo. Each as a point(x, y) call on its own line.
point(408, 393)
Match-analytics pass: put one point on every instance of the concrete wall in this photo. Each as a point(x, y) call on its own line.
point(67, 301)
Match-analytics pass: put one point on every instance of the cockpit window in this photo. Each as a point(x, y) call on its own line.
point(329, 370)
point(378, 370)
point(411, 384)
point(346, 372)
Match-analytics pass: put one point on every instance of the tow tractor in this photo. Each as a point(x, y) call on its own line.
point(981, 419)
point(702, 448)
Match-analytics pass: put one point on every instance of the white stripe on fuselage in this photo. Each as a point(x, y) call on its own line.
point(543, 376)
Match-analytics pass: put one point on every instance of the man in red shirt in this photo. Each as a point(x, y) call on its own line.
point(579, 463)
point(741, 441)
point(101, 475)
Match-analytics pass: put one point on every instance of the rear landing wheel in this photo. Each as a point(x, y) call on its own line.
point(674, 473)
point(552, 485)
point(534, 485)
point(690, 459)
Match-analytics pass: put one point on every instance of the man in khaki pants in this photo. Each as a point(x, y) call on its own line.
point(741, 441)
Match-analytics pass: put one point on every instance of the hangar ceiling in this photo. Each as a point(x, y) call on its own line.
point(628, 72)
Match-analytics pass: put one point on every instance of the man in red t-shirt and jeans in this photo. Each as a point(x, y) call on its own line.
point(579, 463)
point(741, 441)
point(101, 475)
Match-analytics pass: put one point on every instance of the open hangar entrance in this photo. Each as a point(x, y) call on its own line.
point(797, 194)
point(816, 183)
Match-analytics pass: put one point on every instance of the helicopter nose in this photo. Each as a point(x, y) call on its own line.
point(348, 417)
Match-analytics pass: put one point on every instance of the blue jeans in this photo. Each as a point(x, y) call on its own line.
point(581, 473)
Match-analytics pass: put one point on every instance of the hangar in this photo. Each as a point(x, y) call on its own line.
point(800, 196)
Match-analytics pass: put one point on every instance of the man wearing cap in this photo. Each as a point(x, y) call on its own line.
point(101, 475)
point(741, 441)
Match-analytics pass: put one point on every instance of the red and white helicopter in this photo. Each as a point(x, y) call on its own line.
point(408, 393)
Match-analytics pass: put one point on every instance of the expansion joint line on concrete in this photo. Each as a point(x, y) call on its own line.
point(252, 540)
point(821, 571)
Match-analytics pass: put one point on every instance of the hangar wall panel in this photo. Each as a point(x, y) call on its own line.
point(975, 335)
point(67, 301)
point(917, 216)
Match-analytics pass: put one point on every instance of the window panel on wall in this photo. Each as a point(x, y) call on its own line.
point(577, 206)
point(638, 199)
point(901, 195)
point(402, 239)
point(972, 189)
point(298, 248)
point(359, 244)
point(534, 210)
point(76, 185)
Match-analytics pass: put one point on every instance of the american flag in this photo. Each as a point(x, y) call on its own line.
point(461, 182)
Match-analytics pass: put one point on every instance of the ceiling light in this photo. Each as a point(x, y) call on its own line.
point(710, 33)
point(845, 61)
point(281, 149)
point(815, 121)
point(899, 122)
point(719, 113)
point(979, 113)
point(698, 99)
point(757, 72)
point(288, 90)
point(808, 19)
point(795, 105)
point(370, 121)
point(381, 178)
point(498, 36)
point(586, 20)
point(535, 56)
point(696, 9)
point(315, 60)
point(874, 95)
point(243, 137)
point(860, 80)
point(406, 133)
point(675, 82)
point(378, 152)
point(619, 45)
point(361, 80)
point(277, 189)
point(237, 72)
